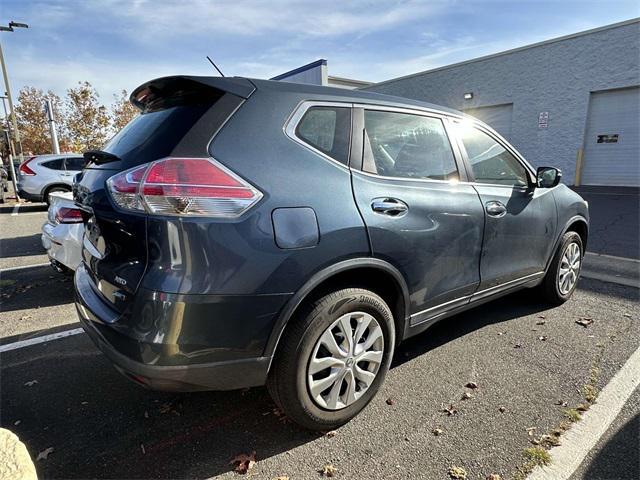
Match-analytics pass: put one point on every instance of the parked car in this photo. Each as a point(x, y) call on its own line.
point(42, 175)
point(62, 233)
point(241, 232)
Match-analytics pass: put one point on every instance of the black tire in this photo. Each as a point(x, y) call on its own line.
point(53, 190)
point(550, 288)
point(287, 382)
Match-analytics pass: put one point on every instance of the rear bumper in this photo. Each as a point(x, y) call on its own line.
point(63, 243)
point(32, 197)
point(153, 343)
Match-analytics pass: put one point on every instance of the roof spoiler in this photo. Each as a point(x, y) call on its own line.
point(153, 89)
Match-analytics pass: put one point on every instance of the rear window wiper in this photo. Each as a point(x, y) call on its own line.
point(99, 157)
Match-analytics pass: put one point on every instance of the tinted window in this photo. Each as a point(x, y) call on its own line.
point(490, 161)
point(75, 163)
point(54, 164)
point(327, 129)
point(408, 146)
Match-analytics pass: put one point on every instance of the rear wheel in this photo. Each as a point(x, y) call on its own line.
point(333, 358)
point(562, 277)
point(54, 190)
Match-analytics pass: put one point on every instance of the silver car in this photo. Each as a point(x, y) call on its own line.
point(62, 232)
point(42, 175)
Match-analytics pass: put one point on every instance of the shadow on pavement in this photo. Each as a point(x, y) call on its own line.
point(24, 208)
point(104, 426)
point(21, 246)
point(35, 287)
point(619, 458)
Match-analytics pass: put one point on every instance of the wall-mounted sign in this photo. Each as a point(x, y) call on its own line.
point(611, 138)
point(543, 119)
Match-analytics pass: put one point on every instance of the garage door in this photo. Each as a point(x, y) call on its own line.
point(612, 142)
point(497, 116)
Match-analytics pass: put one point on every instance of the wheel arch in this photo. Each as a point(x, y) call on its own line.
point(578, 224)
point(377, 275)
point(48, 188)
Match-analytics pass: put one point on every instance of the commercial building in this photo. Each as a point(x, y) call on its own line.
point(317, 73)
point(571, 102)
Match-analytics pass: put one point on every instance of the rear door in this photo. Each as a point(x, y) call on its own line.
point(419, 216)
point(521, 220)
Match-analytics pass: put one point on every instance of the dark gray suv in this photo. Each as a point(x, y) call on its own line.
point(241, 232)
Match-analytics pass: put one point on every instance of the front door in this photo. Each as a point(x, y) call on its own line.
point(419, 216)
point(521, 220)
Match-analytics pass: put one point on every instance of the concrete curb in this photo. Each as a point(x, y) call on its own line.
point(15, 462)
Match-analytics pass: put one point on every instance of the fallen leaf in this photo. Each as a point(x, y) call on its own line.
point(562, 403)
point(541, 322)
point(25, 317)
point(542, 316)
point(542, 338)
point(330, 434)
point(502, 409)
point(450, 410)
point(628, 315)
point(466, 396)
point(437, 432)
point(328, 470)
point(535, 441)
point(44, 454)
point(281, 477)
point(472, 385)
point(585, 322)
point(582, 408)
point(30, 383)
point(458, 473)
point(244, 462)
point(501, 333)
point(494, 476)
point(531, 431)
point(517, 345)
point(390, 401)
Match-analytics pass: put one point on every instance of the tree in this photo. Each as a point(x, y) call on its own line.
point(122, 111)
point(87, 120)
point(32, 120)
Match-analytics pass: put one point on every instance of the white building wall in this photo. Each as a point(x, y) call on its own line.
point(555, 77)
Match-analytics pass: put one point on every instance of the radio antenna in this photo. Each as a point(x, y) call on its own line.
point(215, 66)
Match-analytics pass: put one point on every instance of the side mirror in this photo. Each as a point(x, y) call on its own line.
point(548, 177)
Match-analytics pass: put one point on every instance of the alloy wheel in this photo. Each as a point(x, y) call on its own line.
point(345, 360)
point(569, 268)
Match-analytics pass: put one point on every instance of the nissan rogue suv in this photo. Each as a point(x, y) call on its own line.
point(243, 232)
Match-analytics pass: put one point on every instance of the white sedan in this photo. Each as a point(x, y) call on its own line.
point(62, 233)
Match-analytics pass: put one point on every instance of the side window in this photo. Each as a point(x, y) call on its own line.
point(490, 161)
point(54, 164)
point(327, 129)
point(74, 164)
point(407, 146)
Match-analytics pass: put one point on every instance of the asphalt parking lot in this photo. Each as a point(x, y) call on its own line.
point(533, 367)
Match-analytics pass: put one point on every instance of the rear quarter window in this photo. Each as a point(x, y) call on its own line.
point(328, 130)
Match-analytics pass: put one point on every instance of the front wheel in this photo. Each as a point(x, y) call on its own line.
point(562, 277)
point(333, 358)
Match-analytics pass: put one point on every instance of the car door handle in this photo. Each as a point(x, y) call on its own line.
point(389, 206)
point(496, 209)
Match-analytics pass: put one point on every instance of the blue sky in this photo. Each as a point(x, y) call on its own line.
point(118, 44)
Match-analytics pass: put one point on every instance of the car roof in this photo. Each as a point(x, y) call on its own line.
point(346, 95)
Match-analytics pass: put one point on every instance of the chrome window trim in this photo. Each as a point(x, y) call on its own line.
point(291, 125)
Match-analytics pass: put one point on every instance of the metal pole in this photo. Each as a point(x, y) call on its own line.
point(55, 146)
point(12, 111)
point(12, 153)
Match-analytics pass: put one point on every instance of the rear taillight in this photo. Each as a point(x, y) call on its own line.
point(68, 215)
point(24, 167)
point(183, 186)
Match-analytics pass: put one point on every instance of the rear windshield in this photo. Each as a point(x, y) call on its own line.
point(154, 134)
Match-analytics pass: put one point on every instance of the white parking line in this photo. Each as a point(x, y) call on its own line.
point(23, 267)
point(584, 435)
point(15, 210)
point(603, 277)
point(612, 257)
point(42, 339)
